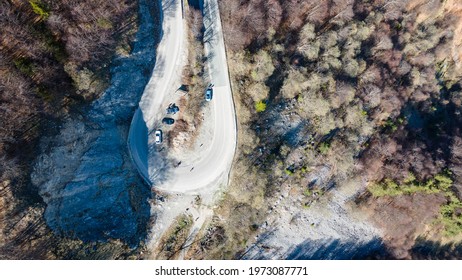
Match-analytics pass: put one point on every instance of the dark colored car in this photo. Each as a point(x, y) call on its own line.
point(168, 121)
point(208, 94)
point(173, 109)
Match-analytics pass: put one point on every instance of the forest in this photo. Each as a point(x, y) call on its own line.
point(53, 58)
point(347, 89)
point(338, 90)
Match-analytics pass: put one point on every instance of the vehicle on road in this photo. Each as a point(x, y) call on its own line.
point(209, 93)
point(158, 136)
point(172, 109)
point(168, 121)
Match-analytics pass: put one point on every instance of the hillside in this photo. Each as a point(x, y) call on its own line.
point(347, 107)
point(55, 58)
point(349, 131)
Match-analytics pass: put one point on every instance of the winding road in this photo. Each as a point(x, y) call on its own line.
point(216, 160)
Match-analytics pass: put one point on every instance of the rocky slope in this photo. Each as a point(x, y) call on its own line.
point(85, 175)
point(366, 93)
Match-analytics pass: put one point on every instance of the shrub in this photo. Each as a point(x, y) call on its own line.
point(294, 84)
point(439, 183)
point(258, 91)
point(324, 147)
point(329, 39)
point(390, 124)
point(310, 50)
point(289, 172)
point(307, 33)
point(355, 117)
point(39, 9)
point(351, 67)
point(260, 106)
point(25, 66)
point(326, 124)
point(263, 66)
point(104, 23)
point(307, 192)
point(314, 106)
point(443, 181)
point(175, 237)
point(450, 216)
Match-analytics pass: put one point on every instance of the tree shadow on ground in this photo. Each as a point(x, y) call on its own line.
point(106, 199)
point(434, 250)
point(209, 9)
point(334, 249)
point(321, 249)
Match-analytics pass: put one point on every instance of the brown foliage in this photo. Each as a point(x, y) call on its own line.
point(403, 219)
point(42, 53)
point(382, 76)
point(245, 21)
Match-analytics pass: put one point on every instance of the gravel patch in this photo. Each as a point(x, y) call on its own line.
point(328, 229)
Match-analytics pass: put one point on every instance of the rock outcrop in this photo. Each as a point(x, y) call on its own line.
point(85, 175)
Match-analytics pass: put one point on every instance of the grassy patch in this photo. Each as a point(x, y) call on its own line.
point(175, 237)
point(39, 9)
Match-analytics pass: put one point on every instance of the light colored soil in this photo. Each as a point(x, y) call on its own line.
point(198, 204)
point(190, 145)
point(292, 231)
point(186, 149)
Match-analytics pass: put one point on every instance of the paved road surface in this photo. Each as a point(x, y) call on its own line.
point(216, 160)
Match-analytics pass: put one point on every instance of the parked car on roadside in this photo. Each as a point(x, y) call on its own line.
point(168, 121)
point(209, 94)
point(158, 136)
point(172, 109)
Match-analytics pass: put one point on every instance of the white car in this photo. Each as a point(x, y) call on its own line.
point(158, 136)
